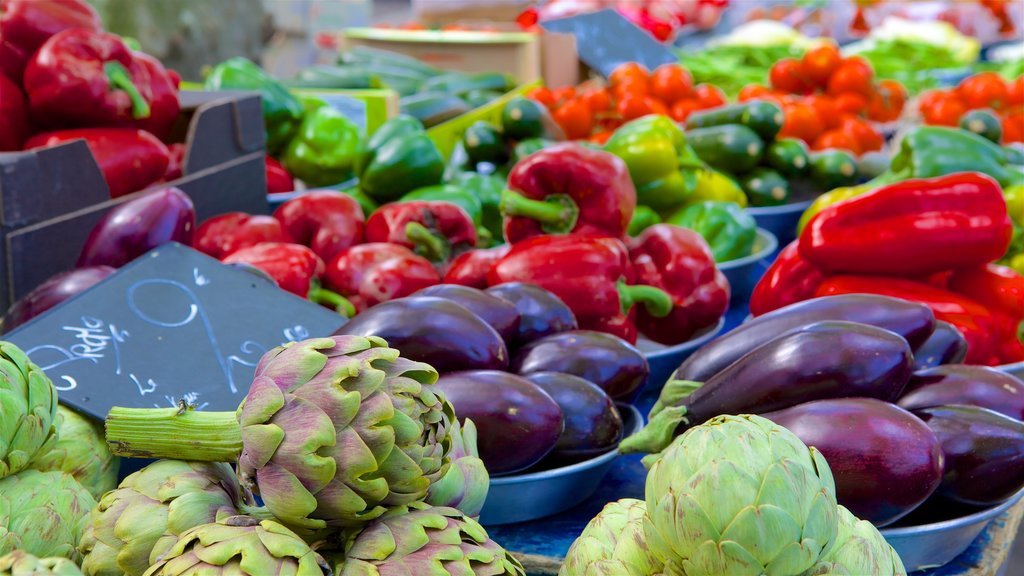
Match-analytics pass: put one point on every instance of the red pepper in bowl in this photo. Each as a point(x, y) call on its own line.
point(14, 124)
point(471, 268)
point(433, 229)
point(278, 178)
point(325, 220)
point(369, 274)
point(222, 235)
point(790, 279)
point(1002, 290)
point(26, 24)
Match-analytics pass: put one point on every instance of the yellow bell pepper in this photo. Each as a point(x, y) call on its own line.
point(713, 185)
point(1015, 203)
point(1017, 263)
point(829, 198)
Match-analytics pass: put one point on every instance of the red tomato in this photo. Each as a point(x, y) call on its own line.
point(633, 106)
point(886, 103)
point(945, 112)
point(984, 90)
point(575, 119)
point(853, 75)
point(929, 98)
point(788, 75)
point(1013, 128)
point(709, 95)
point(827, 111)
point(801, 122)
point(599, 100)
point(821, 62)
point(850, 103)
point(868, 139)
point(1015, 92)
point(671, 83)
point(682, 109)
point(628, 71)
point(631, 88)
point(601, 137)
point(542, 95)
point(836, 139)
point(753, 92)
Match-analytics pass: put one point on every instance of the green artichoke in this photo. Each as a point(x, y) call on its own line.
point(859, 549)
point(742, 496)
point(239, 545)
point(140, 520)
point(427, 541)
point(28, 411)
point(613, 543)
point(21, 563)
point(43, 513)
point(333, 433)
point(465, 485)
point(82, 452)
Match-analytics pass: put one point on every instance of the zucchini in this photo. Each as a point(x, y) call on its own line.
point(336, 77)
point(833, 169)
point(478, 98)
point(731, 148)
point(458, 84)
point(983, 123)
point(484, 143)
point(788, 156)
point(376, 56)
point(766, 187)
point(433, 108)
point(522, 118)
point(763, 117)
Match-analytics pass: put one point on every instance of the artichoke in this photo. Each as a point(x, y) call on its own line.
point(859, 549)
point(141, 519)
point(28, 410)
point(465, 485)
point(82, 452)
point(739, 495)
point(426, 540)
point(21, 563)
point(43, 513)
point(240, 545)
point(613, 543)
point(333, 433)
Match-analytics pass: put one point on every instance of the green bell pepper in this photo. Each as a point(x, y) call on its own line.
point(461, 197)
point(324, 150)
point(726, 227)
point(643, 218)
point(663, 167)
point(931, 151)
point(487, 188)
point(713, 185)
point(282, 112)
point(398, 159)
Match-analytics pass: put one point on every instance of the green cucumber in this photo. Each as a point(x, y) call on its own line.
point(764, 118)
point(872, 164)
point(375, 56)
point(832, 169)
point(433, 108)
point(484, 143)
point(336, 77)
point(478, 98)
point(766, 187)
point(522, 118)
point(788, 156)
point(730, 148)
point(983, 123)
point(458, 83)
point(529, 146)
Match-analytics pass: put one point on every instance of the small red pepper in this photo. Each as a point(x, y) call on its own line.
point(978, 325)
point(369, 274)
point(568, 188)
point(1002, 290)
point(790, 279)
point(26, 24)
point(325, 220)
point(679, 261)
point(225, 234)
point(176, 162)
point(278, 178)
point(130, 159)
point(591, 274)
point(912, 228)
point(84, 78)
point(433, 229)
point(471, 268)
point(14, 125)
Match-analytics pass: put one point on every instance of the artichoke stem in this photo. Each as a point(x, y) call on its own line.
point(173, 433)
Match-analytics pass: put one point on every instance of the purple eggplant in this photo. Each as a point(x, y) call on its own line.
point(593, 425)
point(433, 330)
point(885, 460)
point(53, 291)
point(606, 360)
point(965, 384)
point(911, 320)
point(517, 422)
point(541, 313)
point(983, 450)
point(131, 229)
point(945, 346)
point(501, 314)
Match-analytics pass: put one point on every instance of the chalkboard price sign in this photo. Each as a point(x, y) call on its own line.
point(173, 325)
point(605, 40)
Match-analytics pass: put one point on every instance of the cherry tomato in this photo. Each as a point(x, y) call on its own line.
point(801, 122)
point(1013, 128)
point(753, 92)
point(868, 139)
point(575, 119)
point(709, 95)
point(633, 106)
point(820, 62)
point(542, 95)
point(682, 109)
point(630, 88)
point(984, 90)
point(601, 137)
point(671, 82)
point(1015, 92)
point(563, 95)
point(928, 99)
point(853, 75)
point(788, 74)
point(599, 100)
point(826, 109)
point(628, 71)
point(886, 103)
point(945, 111)
point(656, 106)
point(836, 139)
point(850, 103)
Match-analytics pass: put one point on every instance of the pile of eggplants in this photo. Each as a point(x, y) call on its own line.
point(512, 358)
point(877, 385)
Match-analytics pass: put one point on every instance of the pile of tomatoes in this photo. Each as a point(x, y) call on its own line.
point(986, 90)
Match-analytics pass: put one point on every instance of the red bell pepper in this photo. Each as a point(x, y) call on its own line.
point(26, 24)
point(790, 279)
point(369, 274)
point(80, 77)
point(14, 125)
point(912, 228)
point(568, 188)
point(223, 235)
point(278, 178)
point(433, 229)
point(176, 162)
point(679, 261)
point(978, 325)
point(130, 159)
point(1002, 290)
point(591, 274)
point(325, 220)
point(471, 268)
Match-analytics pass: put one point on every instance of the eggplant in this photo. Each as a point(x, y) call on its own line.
point(885, 460)
point(593, 425)
point(53, 291)
point(433, 330)
point(517, 422)
point(946, 345)
point(965, 384)
point(131, 229)
point(541, 313)
point(911, 320)
point(983, 451)
point(501, 314)
point(615, 365)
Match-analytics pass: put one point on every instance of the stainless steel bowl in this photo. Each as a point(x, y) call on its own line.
point(744, 273)
point(663, 360)
point(780, 220)
point(526, 497)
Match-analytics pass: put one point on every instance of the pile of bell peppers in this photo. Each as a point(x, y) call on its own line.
point(933, 240)
point(63, 78)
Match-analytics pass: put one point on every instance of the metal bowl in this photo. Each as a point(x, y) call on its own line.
point(526, 497)
point(663, 360)
point(780, 220)
point(744, 273)
point(933, 545)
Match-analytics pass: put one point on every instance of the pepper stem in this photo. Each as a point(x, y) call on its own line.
point(331, 299)
point(119, 79)
point(557, 213)
point(656, 300)
point(174, 433)
point(426, 243)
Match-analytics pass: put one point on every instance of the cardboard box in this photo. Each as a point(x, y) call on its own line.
point(51, 198)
